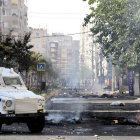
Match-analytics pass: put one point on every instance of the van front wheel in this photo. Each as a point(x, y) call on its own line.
point(36, 125)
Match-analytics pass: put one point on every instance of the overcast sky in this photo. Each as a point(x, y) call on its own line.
point(63, 16)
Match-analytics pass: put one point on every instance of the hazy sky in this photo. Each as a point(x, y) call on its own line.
point(63, 16)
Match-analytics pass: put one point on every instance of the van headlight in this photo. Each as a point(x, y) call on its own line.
point(8, 103)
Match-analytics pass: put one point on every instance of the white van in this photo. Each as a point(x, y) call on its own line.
point(17, 104)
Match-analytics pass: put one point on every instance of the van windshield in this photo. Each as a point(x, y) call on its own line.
point(12, 81)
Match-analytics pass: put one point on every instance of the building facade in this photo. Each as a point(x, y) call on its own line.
point(64, 53)
point(13, 17)
point(39, 41)
point(91, 57)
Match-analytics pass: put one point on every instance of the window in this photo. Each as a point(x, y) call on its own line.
point(15, 24)
point(0, 3)
point(12, 81)
point(5, 24)
point(53, 50)
point(15, 13)
point(5, 12)
point(37, 34)
point(5, 2)
point(25, 14)
point(54, 44)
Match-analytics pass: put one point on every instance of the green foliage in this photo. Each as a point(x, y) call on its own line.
point(116, 24)
point(17, 53)
point(6, 50)
point(23, 53)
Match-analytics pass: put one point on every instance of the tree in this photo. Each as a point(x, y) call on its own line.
point(23, 54)
point(17, 53)
point(116, 24)
point(6, 50)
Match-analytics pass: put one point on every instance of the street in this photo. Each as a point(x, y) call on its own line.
point(69, 70)
point(69, 124)
point(87, 129)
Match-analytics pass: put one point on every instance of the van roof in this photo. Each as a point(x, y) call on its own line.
point(6, 72)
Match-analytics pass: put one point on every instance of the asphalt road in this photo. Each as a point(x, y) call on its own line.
point(86, 130)
point(72, 127)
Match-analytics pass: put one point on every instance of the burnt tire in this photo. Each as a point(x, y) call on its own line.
point(36, 125)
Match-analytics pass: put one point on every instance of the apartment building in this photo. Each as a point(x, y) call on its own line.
point(40, 41)
point(13, 17)
point(86, 42)
point(61, 49)
point(64, 53)
point(91, 57)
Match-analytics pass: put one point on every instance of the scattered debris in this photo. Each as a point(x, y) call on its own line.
point(96, 136)
point(114, 122)
point(130, 121)
point(60, 137)
point(74, 120)
point(138, 118)
point(117, 103)
point(71, 121)
point(107, 96)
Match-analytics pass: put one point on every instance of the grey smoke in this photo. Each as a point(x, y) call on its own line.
point(55, 118)
point(59, 117)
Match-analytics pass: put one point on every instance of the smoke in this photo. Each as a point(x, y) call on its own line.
point(73, 81)
point(97, 87)
point(71, 116)
point(72, 65)
point(55, 118)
